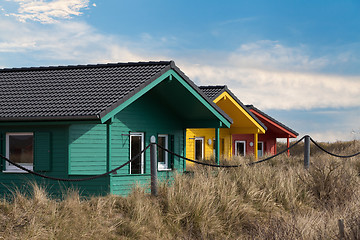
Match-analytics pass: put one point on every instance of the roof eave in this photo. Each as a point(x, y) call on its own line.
point(273, 120)
point(51, 118)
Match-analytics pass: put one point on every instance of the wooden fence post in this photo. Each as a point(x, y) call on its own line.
point(341, 229)
point(307, 152)
point(153, 166)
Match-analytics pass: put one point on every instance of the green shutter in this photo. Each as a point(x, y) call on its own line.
point(171, 148)
point(42, 151)
point(2, 150)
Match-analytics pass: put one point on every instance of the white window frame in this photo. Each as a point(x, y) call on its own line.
point(137, 134)
point(236, 149)
point(165, 165)
point(262, 149)
point(11, 168)
point(202, 147)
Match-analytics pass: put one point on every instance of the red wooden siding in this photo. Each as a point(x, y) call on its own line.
point(269, 141)
point(275, 130)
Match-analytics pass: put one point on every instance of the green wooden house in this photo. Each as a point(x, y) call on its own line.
point(79, 121)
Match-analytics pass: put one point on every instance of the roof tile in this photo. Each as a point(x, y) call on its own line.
point(212, 91)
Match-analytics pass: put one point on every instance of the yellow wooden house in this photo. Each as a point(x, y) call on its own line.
point(201, 142)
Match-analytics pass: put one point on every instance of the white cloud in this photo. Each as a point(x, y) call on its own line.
point(275, 77)
point(325, 136)
point(272, 76)
point(48, 11)
point(271, 55)
point(331, 124)
point(65, 43)
point(238, 20)
point(333, 136)
point(281, 90)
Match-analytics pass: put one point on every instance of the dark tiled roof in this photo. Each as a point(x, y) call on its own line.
point(272, 119)
point(70, 91)
point(213, 92)
point(77, 92)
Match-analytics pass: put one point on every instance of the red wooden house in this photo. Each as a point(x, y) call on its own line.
point(244, 143)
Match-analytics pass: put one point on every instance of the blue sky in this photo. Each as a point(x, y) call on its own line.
point(298, 61)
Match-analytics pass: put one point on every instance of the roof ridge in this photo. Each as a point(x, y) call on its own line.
point(214, 86)
point(63, 67)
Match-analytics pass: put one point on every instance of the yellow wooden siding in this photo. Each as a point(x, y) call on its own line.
point(207, 133)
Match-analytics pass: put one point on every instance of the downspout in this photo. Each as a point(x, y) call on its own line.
point(217, 145)
point(230, 154)
point(256, 145)
point(108, 151)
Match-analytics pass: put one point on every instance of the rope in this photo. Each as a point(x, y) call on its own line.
point(332, 154)
point(194, 161)
point(279, 153)
point(229, 166)
point(173, 153)
point(74, 180)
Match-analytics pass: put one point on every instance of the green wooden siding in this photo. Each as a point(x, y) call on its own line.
point(152, 117)
point(58, 153)
point(56, 139)
point(87, 149)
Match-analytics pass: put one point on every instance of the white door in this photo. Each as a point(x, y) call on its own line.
point(136, 146)
point(240, 148)
point(162, 154)
point(260, 149)
point(199, 148)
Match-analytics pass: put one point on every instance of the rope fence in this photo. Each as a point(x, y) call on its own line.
point(154, 160)
point(230, 166)
point(260, 161)
point(332, 154)
point(279, 153)
point(78, 179)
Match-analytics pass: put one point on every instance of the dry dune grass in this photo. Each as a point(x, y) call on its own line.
point(273, 200)
point(339, 147)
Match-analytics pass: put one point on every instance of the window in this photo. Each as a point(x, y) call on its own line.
point(20, 149)
point(163, 159)
point(199, 148)
point(240, 147)
point(136, 146)
point(260, 149)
